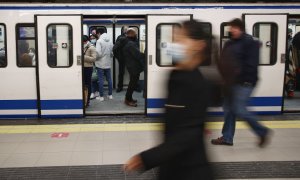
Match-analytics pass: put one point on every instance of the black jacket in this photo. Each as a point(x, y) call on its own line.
point(182, 154)
point(242, 56)
point(134, 59)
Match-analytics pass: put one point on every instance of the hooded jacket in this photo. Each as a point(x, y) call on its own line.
point(104, 52)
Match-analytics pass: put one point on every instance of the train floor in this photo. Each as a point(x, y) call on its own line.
point(292, 104)
point(116, 105)
point(98, 150)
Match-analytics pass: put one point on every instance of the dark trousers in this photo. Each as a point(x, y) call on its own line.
point(134, 78)
point(88, 81)
point(121, 73)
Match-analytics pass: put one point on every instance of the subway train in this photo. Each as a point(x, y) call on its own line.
point(49, 83)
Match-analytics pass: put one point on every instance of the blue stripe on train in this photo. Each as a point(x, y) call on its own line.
point(18, 104)
point(63, 116)
point(45, 104)
point(254, 101)
point(61, 104)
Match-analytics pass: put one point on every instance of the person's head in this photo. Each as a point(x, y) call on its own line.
point(124, 29)
point(93, 38)
point(131, 34)
point(100, 31)
point(23, 46)
point(237, 28)
point(94, 31)
point(193, 41)
point(85, 39)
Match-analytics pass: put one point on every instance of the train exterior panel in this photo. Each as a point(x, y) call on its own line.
point(42, 90)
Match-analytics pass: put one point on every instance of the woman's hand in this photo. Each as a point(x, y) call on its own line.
point(133, 164)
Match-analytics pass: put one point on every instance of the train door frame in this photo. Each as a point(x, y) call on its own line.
point(155, 101)
point(121, 20)
point(71, 105)
point(271, 100)
point(290, 16)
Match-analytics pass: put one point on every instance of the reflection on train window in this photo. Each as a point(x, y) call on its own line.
point(164, 36)
point(26, 56)
point(267, 35)
point(208, 30)
point(59, 45)
point(3, 60)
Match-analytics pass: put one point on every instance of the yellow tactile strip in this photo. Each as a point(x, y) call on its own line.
point(14, 129)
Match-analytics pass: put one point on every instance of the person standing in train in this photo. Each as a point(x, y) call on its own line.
point(134, 62)
point(239, 68)
point(90, 56)
point(103, 62)
point(121, 60)
point(182, 155)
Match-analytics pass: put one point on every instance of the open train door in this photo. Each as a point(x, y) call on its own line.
point(270, 29)
point(59, 69)
point(160, 31)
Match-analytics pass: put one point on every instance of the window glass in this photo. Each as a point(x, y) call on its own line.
point(267, 35)
point(59, 45)
point(26, 56)
point(3, 60)
point(165, 35)
point(224, 33)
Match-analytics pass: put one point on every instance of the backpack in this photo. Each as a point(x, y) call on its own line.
point(117, 48)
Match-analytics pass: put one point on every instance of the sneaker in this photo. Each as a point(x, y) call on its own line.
point(110, 97)
point(100, 98)
point(97, 94)
point(265, 140)
point(92, 96)
point(220, 141)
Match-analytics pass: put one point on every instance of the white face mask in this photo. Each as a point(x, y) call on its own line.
point(85, 45)
point(93, 41)
point(177, 51)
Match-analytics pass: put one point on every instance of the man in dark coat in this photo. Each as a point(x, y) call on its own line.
point(121, 61)
point(134, 63)
point(239, 67)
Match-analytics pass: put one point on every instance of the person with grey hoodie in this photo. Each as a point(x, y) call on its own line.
point(103, 62)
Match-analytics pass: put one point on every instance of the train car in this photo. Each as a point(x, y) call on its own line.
point(49, 83)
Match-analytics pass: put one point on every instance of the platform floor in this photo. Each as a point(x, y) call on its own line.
point(96, 151)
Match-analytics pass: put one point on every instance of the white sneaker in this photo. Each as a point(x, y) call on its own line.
point(110, 97)
point(92, 96)
point(97, 94)
point(100, 98)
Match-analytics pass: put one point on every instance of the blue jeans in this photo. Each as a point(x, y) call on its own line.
point(236, 106)
point(95, 86)
point(107, 74)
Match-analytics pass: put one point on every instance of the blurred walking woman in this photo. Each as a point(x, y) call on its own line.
point(182, 154)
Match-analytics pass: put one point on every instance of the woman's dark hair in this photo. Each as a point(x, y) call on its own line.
point(195, 30)
point(237, 23)
point(85, 38)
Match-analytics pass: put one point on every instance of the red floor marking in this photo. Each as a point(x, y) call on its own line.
point(60, 135)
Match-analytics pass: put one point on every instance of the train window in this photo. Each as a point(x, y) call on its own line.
point(267, 35)
point(3, 59)
point(26, 56)
point(164, 36)
point(224, 33)
point(92, 29)
point(59, 45)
